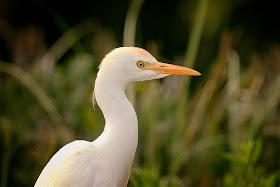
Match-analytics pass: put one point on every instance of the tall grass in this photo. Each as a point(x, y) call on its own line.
point(34, 87)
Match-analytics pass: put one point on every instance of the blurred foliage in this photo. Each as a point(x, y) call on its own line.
point(244, 171)
point(221, 129)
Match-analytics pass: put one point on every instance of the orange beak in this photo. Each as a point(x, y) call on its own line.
point(163, 68)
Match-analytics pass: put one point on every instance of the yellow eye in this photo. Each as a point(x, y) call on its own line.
point(140, 64)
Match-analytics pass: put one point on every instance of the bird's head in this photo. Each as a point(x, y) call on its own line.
point(131, 64)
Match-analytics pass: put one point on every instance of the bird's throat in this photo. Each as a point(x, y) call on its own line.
point(120, 135)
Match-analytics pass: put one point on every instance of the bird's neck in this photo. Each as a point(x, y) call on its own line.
point(120, 134)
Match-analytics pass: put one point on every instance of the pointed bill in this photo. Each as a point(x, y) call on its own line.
point(163, 68)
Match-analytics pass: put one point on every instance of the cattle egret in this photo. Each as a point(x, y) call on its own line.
point(106, 162)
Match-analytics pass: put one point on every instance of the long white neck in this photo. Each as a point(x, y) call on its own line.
point(120, 135)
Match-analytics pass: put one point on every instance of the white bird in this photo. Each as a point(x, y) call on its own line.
point(107, 161)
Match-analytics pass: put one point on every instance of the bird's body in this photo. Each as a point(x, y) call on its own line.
point(107, 161)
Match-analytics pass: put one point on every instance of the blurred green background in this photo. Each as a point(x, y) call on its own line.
point(220, 129)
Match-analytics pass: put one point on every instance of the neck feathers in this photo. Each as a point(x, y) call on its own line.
point(119, 114)
point(120, 136)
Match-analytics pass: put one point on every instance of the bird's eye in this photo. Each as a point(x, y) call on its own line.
point(140, 64)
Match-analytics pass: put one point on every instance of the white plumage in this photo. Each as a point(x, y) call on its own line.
point(106, 162)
